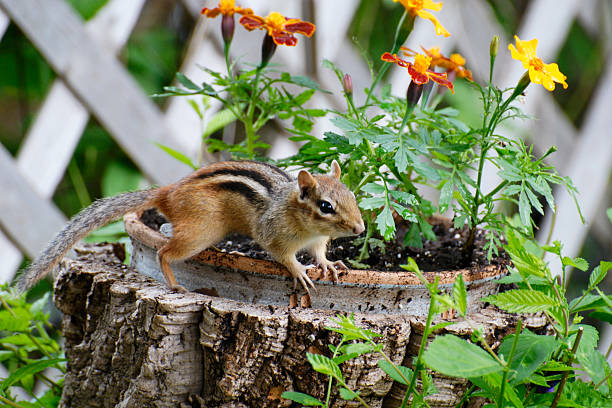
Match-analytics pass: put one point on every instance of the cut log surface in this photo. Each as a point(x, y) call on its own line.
point(132, 342)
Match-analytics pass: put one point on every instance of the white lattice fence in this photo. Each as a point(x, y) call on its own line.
point(92, 81)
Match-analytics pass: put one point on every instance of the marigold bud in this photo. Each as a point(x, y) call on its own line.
point(347, 84)
point(494, 46)
point(267, 50)
point(227, 28)
point(523, 83)
point(413, 94)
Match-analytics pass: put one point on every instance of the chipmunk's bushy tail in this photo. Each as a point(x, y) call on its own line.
point(98, 214)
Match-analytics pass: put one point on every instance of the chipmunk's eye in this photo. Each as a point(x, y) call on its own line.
point(326, 207)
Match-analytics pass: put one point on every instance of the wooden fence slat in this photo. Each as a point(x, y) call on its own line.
point(4, 23)
point(50, 142)
point(28, 219)
point(11, 259)
point(179, 114)
point(100, 82)
point(589, 168)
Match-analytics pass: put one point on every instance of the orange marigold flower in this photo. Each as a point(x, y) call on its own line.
point(279, 27)
point(455, 63)
point(419, 70)
point(227, 8)
point(539, 72)
point(419, 7)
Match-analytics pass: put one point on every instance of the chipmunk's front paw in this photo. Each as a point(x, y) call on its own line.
point(179, 288)
point(299, 273)
point(328, 265)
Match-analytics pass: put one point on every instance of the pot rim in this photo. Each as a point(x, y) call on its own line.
point(136, 229)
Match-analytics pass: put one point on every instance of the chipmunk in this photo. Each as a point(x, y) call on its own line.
point(280, 213)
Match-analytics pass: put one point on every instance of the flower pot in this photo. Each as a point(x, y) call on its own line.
point(238, 277)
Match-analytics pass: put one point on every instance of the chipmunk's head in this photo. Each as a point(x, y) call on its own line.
point(332, 206)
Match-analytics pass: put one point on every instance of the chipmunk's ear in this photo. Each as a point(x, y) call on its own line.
point(305, 182)
point(335, 170)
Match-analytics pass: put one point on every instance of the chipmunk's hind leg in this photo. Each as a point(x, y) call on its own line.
point(188, 240)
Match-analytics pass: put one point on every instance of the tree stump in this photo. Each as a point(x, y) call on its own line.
point(132, 342)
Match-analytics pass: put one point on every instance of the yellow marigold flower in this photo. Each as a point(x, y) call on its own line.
point(539, 72)
point(226, 8)
point(419, 7)
point(279, 27)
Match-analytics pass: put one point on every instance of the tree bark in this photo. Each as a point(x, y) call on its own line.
point(132, 342)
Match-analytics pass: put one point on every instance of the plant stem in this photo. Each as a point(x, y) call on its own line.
point(386, 66)
point(565, 314)
point(226, 47)
point(550, 230)
point(603, 380)
point(248, 122)
point(500, 401)
point(369, 232)
point(465, 396)
point(566, 373)
point(418, 364)
point(9, 402)
point(331, 379)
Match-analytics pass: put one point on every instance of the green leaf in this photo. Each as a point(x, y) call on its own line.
point(373, 188)
point(583, 395)
point(324, 365)
point(391, 371)
point(578, 263)
point(18, 340)
point(446, 196)
point(38, 306)
point(427, 229)
point(301, 398)
point(598, 274)
point(196, 108)
point(535, 203)
point(307, 82)
point(401, 158)
point(460, 295)
point(404, 197)
point(595, 364)
point(491, 383)
point(532, 350)
point(413, 236)
point(28, 370)
point(588, 342)
point(19, 322)
point(524, 208)
point(372, 203)
point(468, 360)
point(522, 301)
point(609, 213)
point(218, 121)
point(186, 82)
point(347, 394)
point(177, 155)
point(385, 223)
point(541, 186)
point(350, 331)
point(590, 301)
point(359, 348)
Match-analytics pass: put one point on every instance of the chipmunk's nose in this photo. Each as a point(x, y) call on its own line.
point(359, 228)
